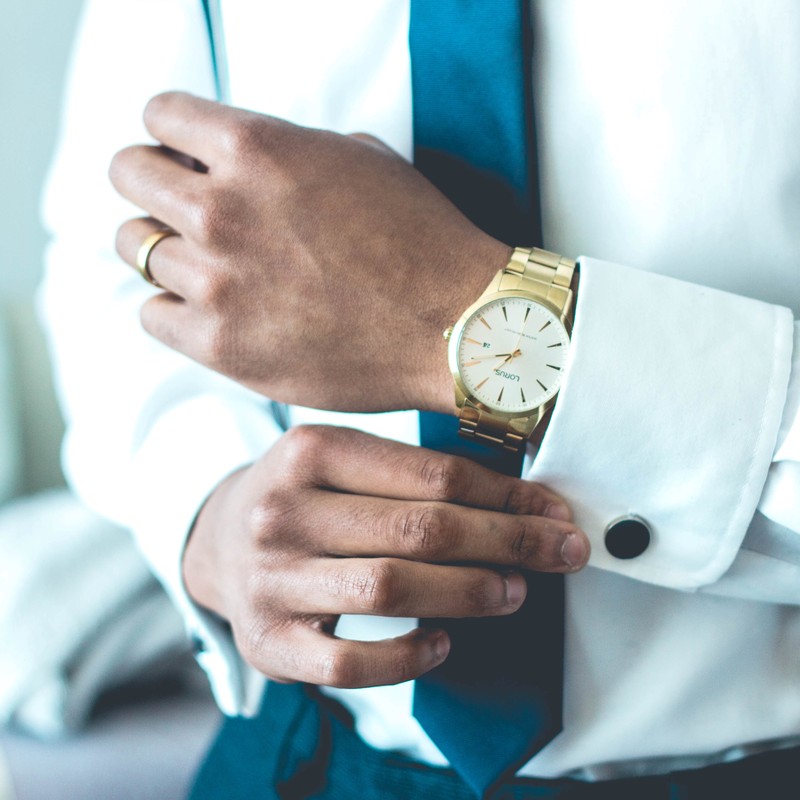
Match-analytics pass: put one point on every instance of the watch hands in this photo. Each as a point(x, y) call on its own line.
point(522, 333)
point(509, 357)
point(498, 355)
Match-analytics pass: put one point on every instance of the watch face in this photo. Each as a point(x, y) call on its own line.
point(511, 354)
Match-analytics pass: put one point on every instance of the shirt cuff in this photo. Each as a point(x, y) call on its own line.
point(188, 450)
point(669, 410)
point(780, 501)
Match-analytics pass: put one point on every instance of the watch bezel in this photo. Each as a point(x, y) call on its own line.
point(524, 421)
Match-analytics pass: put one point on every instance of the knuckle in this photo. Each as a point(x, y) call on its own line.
point(210, 287)
point(241, 136)
point(159, 105)
point(368, 138)
point(215, 342)
point(262, 631)
point(424, 531)
point(208, 217)
point(204, 289)
point(442, 476)
point(161, 325)
point(254, 595)
point(148, 316)
point(522, 545)
point(302, 441)
point(121, 162)
point(276, 517)
point(114, 168)
point(253, 643)
point(373, 589)
point(519, 498)
point(267, 517)
point(123, 243)
point(341, 669)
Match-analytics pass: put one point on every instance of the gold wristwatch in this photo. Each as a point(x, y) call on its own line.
point(507, 352)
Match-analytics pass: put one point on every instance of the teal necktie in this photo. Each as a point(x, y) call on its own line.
point(497, 698)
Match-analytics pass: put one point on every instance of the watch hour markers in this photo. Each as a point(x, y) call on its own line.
point(523, 394)
point(553, 366)
point(485, 323)
point(505, 315)
point(557, 344)
point(471, 363)
point(481, 383)
point(544, 326)
point(473, 341)
point(500, 396)
point(541, 384)
point(527, 311)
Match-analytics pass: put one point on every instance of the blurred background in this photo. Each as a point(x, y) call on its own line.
point(35, 39)
point(99, 697)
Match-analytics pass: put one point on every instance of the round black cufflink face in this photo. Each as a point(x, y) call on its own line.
point(627, 537)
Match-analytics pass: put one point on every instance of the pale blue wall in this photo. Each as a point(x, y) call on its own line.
point(35, 38)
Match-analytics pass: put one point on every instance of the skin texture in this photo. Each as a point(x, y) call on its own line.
point(315, 268)
point(320, 270)
point(335, 521)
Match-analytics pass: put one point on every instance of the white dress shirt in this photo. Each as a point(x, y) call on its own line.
point(667, 140)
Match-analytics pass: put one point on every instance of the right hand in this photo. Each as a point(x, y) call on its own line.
point(335, 521)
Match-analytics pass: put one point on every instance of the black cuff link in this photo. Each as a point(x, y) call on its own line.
point(627, 537)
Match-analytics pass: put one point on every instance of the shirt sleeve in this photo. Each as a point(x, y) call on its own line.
point(671, 407)
point(149, 433)
point(676, 408)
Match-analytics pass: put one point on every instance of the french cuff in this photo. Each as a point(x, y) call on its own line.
point(780, 501)
point(188, 450)
point(668, 414)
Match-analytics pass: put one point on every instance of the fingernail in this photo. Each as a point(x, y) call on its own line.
point(557, 511)
point(516, 589)
point(575, 550)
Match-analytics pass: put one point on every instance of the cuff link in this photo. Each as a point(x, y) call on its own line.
point(627, 537)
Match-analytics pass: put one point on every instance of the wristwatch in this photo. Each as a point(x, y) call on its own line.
point(508, 350)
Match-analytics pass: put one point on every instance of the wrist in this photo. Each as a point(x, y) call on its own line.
point(477, 261)
point(203, 561)
point(544, 280)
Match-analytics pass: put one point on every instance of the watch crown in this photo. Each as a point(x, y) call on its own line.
point(447, 333)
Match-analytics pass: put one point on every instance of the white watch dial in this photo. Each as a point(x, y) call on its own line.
point(511, 354)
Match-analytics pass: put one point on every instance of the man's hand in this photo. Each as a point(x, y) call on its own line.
point(315, 268)
point(334, 521)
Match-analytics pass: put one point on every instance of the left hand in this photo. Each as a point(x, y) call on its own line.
point(315, 268)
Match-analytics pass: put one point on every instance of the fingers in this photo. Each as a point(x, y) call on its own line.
point(393, 587)
point(359, 463)
point(153, 180)
point(167, 261)
point(167, 317)
point(343, 525)
point(311, 656)
point(208, 131)
point(373, 141)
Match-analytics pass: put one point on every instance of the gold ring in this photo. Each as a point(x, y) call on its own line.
point(143, 256)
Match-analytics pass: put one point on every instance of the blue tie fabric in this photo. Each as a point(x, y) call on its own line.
point(497, 699)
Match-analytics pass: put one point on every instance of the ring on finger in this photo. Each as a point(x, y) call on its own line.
point(146, 248)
